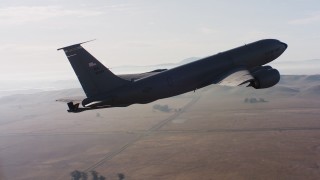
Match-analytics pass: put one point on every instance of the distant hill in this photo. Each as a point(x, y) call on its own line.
point(311, 91)
point(305, 67)
point(189, 60)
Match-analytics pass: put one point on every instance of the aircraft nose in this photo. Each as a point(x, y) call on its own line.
point(284, 45)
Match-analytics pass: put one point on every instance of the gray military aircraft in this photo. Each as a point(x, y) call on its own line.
point(236, 67)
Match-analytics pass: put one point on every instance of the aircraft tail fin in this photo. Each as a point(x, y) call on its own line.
point(94, 77)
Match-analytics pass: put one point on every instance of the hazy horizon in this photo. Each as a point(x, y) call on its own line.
point(67, 79)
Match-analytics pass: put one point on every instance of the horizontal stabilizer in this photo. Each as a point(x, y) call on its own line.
point(71, 99)
point(74, 46)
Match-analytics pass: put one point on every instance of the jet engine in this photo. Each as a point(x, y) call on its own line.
point(265, 77)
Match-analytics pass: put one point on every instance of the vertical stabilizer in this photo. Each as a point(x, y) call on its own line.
point(94, 77)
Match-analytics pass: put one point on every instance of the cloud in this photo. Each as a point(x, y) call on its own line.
point(119, 7)
point(139, 44)
point(255, 34)
point(206, 30)
point(311, 19)
point(24, 48)
point(26, 14)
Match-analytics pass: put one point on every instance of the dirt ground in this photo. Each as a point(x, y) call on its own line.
point(203, 135)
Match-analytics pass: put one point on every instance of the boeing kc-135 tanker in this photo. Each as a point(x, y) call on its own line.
point(244, 66)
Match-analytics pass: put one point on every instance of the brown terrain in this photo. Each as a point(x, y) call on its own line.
point(214, 133)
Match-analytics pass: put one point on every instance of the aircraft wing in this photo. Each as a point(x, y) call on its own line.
point(235, 77)
point(133, 77)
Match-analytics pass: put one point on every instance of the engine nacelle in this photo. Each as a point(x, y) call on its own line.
point(265, 78)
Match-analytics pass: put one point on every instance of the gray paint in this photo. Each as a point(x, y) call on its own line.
point(104, 89)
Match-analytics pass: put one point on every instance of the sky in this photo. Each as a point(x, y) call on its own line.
point(146, 32)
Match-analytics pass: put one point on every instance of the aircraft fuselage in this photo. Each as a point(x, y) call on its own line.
point(190, 76)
